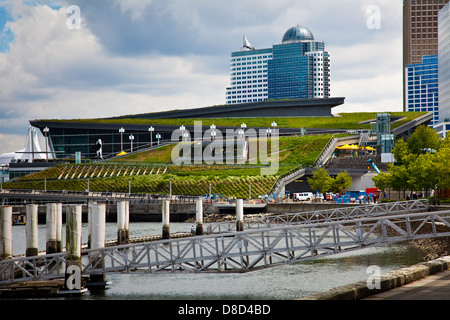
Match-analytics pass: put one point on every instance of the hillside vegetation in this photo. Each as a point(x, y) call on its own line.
point(228, 180)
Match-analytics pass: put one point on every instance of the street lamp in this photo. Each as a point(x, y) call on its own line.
point(269, 132)
point(274, 125)
point(121, 130)
point(46, 130)
point(182, 129)
point(158, 136)
point(131, 139)
point(151, 129)
point(213, 131)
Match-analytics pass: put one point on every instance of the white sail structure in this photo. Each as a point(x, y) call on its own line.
point(32, 150)
point(247, 44)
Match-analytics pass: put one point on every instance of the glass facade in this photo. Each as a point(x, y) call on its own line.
point(66, 142)
point(422, 85)
point(420, 31)
point(248, 75)
point(444, 64)
point(299, 68)
point(291, 72)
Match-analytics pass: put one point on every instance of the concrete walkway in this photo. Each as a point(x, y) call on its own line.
point(424, 281)
point(434, 287)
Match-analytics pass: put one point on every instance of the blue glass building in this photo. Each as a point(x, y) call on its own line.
point(298, 68)
point(422, 87)
point(444, 63)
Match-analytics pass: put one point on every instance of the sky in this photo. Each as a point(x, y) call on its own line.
point(120, 57)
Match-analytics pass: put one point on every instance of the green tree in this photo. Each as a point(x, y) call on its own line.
point(321, 181)
point(383, 180)
point(423, 172)
point(342, 181)
point(399, 177)
point(400, 151)
point(443, 166)
point(423, 137)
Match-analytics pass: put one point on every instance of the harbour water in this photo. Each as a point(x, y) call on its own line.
point(277, 283)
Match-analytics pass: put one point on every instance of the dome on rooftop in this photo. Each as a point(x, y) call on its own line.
point(297, 34)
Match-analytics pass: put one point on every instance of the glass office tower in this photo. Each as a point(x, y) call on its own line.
point(444, 64)
point(420, 31)
point(422, 87)
point(298, 68)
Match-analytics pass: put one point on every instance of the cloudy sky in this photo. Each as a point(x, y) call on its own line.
point(138, 56)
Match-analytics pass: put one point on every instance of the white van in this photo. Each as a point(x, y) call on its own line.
point(304, 196)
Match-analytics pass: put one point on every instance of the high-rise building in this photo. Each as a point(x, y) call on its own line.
point(298, 68)
point(422, 87)
point(444, 64)
point(420, 31)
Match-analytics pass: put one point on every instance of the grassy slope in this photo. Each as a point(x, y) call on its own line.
point(343, 121)
point(189, 180)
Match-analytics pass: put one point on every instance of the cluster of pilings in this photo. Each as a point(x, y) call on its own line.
point(96, 229)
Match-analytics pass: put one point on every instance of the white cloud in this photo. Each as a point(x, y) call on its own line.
point(183, 55)
point(53, 72)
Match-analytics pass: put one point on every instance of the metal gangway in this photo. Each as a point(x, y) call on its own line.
point(327, 215)
point(238, 251)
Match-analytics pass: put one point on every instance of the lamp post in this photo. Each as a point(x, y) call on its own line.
point(158, 136)
point(213, 132)
point(269, 132)
point(182, 129)
point(151, 129)
point(46, 130)
point(131, 139)
point(121, 130)
point(274, 125)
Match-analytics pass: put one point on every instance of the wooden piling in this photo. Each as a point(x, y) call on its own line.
point(199, 217)
point(5, 233)
point(58, 227)
point(166, 219)
point(73, 247)
point(123, 222)
point(239, 215)
point(51, 221)
point(98, 223)
point(32, 244)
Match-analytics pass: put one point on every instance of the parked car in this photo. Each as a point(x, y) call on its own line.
point(304, 196)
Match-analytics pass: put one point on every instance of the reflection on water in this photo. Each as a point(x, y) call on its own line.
point(277, 283)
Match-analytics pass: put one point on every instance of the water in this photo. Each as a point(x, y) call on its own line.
point(278, 283)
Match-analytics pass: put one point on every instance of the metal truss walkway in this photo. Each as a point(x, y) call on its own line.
point(329, 215)
point(239, 251)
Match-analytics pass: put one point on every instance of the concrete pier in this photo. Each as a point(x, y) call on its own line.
point(5, 233)
point(165, 219)
point(51, 221)
point(239, 215)
point(59, 220)
point(199, 217)
point(32, 244)
point(98, 217)
point(98, 237)
point(73, 247)
point(123, 222)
